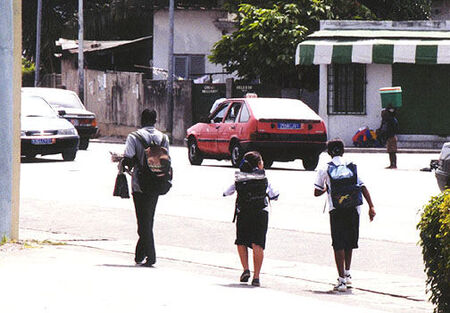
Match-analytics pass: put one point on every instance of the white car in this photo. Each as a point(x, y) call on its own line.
point(44, 132)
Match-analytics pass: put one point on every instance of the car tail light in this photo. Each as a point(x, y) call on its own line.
point(94, 122)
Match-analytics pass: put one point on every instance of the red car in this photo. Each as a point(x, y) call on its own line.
point(280, 129)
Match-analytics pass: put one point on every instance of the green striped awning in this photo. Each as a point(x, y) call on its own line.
point(368, 51)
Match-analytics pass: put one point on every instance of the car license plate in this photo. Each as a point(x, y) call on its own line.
point(42, 141)
point(289, 125)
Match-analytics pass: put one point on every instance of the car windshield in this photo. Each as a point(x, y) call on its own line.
point(273, 108)
point(34, 106)
point(63, 100)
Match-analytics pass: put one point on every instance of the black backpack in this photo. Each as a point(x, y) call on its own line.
point(345, 192)
point(251, 190)
point(155, 176)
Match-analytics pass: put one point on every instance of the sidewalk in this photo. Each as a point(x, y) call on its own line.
point(99, 276)
point(118, 140)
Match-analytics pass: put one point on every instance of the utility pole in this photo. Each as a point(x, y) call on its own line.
point(170, 69)
point(38, 44)
point(80, 51)
point(10, 80)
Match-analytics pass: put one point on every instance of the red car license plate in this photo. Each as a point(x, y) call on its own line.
point(289, 125)
point(42, 141)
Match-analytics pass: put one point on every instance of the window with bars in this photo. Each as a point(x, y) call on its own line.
point(347, 89)
point(189, 65)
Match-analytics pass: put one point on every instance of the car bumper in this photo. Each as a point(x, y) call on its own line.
point(86, 131)
point(59, 145)
point(285, 151)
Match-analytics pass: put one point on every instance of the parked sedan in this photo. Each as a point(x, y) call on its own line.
point(44, 132)
point(443, 170)
point(67, 103)
point(280, 129)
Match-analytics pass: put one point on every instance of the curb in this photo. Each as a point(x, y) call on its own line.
point(118, 140)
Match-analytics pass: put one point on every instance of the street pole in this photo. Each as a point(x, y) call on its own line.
point(170, 69)
point(80, 51)
point(10, 82)
point(38, 43)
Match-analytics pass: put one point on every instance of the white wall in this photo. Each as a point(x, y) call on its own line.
point(195, 33)
point(345, 126)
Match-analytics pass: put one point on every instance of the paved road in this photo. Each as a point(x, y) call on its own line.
point(72, 200)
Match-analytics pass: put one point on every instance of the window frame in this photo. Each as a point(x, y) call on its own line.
point(188, 65)
point(347, 94)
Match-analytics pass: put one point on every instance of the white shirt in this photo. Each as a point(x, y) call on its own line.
point(272, 193)
point(323, 180)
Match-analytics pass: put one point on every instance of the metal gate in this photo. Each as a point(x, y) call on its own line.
point(203, 97)
point(426, 98)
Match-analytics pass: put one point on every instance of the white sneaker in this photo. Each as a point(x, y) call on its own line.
point(348, 279)
point(341, 286)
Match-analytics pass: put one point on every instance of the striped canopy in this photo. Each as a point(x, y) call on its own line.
point(395, 47)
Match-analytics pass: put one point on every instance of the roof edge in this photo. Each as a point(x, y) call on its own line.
point(434, 25)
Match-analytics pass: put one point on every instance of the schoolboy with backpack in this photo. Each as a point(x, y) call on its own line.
point(147, 155)
point(340, 180)
point(253, 195)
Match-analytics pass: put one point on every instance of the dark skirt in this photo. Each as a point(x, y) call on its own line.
point(251, 228)
point(344, 228)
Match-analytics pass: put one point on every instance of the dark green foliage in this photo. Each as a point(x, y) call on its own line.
point(399, 10)
point(434, 229)
point(264, 45)
point(28, 69)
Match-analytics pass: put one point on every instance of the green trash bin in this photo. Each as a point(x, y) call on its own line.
point(391, 97)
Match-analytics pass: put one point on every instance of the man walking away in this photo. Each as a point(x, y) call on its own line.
point(144, 201)
point(344, 187)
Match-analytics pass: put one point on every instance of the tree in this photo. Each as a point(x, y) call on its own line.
point(264, 45)
point(399, 10)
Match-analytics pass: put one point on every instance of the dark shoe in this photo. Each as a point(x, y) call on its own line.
point(255, 282)
point(245, 276)
point(139, 260)
point(148, 263)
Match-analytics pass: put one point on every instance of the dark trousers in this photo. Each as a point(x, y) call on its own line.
point(145, 205)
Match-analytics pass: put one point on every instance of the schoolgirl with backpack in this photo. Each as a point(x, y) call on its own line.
point(345, 190)
point(251, 212)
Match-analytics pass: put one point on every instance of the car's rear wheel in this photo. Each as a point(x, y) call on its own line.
point(310, 162)
point(84, 143)
point(236, 154)
point(194, 154)
point(69, 154)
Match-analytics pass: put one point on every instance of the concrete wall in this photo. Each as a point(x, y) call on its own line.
point(118, 98)
point(345, 126)
point(195, 33)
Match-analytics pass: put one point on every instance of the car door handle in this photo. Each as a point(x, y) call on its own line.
point(233, 127)
point(217, 127)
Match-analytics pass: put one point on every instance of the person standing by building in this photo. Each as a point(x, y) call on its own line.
point(340, 181)
point(388, 131)
point(253, 195)
point(144, 201)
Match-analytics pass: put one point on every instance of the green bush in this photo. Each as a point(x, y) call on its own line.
point(434, 229)
point(28, 69)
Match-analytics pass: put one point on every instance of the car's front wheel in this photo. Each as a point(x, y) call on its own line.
point(194, 154)
point(84, 143)
point(236, 154)
point(69, 154)
point(310, 162)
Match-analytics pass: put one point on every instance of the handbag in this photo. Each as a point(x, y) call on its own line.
point(121, 185)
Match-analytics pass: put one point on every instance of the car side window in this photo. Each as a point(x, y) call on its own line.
point(245, 115)
point(218, 117)
point(233, 112)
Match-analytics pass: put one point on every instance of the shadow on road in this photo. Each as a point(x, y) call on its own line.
point(125, 265)
point(237, 286)
point(269, 169)
point(36, 160)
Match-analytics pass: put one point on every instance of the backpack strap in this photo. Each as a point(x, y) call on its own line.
point(141, 139)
